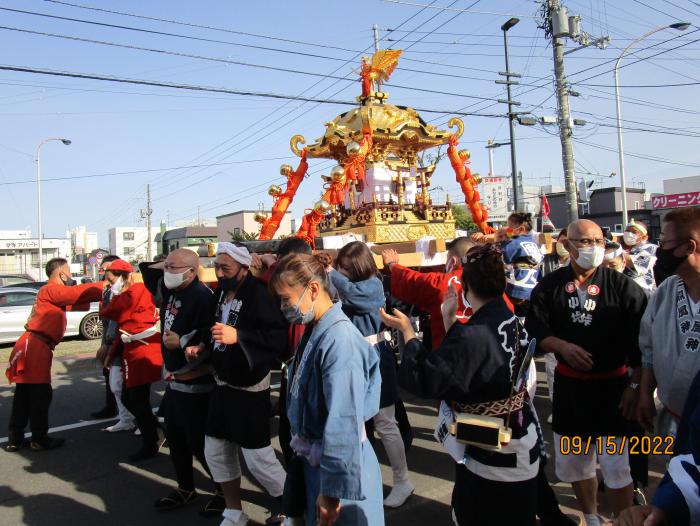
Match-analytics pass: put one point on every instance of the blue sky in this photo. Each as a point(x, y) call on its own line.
point(119, 128)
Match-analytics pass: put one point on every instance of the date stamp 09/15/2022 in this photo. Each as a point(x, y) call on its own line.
point(634, 445)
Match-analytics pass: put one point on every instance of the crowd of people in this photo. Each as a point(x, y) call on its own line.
point(617, 321)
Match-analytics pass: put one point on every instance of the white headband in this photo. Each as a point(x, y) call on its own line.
point(238, 253)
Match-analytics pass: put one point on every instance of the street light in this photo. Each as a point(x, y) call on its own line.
point(511, 120)
point(680, 26)
point(67, 142)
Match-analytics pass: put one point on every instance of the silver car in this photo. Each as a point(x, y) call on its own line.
point(16, 304)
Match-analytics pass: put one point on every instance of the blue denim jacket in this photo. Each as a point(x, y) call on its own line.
point(334, 388)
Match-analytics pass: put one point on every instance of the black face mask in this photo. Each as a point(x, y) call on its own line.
point(229, 284)
point(667, 262)
point(69, 282)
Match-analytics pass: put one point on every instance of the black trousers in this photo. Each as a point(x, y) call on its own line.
point(477, 500)
point(137, 400)
point(284, 430)
point(185, 424)
point(110, 400)
point(30, 405)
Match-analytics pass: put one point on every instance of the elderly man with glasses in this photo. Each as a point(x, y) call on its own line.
point(588, 316)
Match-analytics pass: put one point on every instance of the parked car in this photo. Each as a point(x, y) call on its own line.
point(14, 279)
point(31, 285)
point(16, 304)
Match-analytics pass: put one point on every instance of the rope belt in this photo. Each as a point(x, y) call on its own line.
point(139, 336)
point(497, 408)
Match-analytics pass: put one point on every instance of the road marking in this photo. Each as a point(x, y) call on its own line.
point(87, 423)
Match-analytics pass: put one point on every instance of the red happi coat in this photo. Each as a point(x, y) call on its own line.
point(134, 312)
point(427, 291)
point(30, 361)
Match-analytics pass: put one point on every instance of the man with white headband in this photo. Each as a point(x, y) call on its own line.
point(614, 256)
point(640, 256)
point(588, 316)
point(247, 338)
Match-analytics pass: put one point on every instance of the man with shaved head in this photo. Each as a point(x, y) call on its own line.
point(588, 316)
point(185, 317)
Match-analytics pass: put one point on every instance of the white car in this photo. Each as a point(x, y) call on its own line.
point(16, 304)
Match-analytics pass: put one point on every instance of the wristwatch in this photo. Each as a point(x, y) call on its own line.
point(634, 386)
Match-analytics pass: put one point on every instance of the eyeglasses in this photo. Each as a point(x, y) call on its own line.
point(588, 242)
point(173, 267)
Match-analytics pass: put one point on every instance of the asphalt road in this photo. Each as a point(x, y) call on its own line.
point(89, 481)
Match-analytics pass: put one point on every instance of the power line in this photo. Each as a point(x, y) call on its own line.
point(680, 84)
point(133, 172)
point(234, 62)
point(639, 155)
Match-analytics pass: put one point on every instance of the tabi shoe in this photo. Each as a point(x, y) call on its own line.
point(143, 454)
point(176, 499)
point(13, 447)
point(242, 519)
point(120, 426)
point(46, 443)
point(399, 493)
point(215, 507)
point(275, 519)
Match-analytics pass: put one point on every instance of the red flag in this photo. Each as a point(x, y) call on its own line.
point(545, 206)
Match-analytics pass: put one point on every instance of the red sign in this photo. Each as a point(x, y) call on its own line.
point(676, 200)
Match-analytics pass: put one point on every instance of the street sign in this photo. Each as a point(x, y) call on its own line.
point(99, 256)
point(92, 260)
point(675, 200)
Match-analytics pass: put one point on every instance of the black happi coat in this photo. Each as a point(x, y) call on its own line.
point(234, 414)
point(476, 362)
point(605, 322)
point(187, 313)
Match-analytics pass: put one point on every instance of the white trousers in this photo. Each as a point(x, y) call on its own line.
point(225, 466)
point(386, 426)
point(575, 468)
point(116, 385)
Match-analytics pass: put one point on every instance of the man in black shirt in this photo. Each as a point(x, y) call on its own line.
point(185, 317)
point(588, 316)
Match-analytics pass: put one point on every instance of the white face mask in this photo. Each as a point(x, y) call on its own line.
point(630, 238)
point(450, 265)
point(590, 257)
point(171, 280)
point(561, 251)
point(117, 287)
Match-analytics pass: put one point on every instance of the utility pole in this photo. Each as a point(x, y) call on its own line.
point(148, 213)
point(562, 92)
point(199, 217)
point(375, 30)
point(517, 197)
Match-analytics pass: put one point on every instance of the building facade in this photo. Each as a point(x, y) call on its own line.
point(19, 253)
point(82, 241)
point(130, 242)
point(243, 222)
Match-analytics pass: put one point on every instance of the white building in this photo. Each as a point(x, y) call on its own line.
point(130, 242)
point(82, 241)
point(19, 252)
point(682, 185)
point(243, 221)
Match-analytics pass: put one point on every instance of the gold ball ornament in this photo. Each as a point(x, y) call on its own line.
point(274, 190)
point(353, 148)
point(477, 178)
point(260, 217)
point(285, 169)
point(322, 207)
point(337, 172)
point(465, 154)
